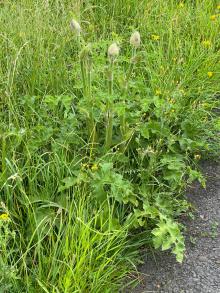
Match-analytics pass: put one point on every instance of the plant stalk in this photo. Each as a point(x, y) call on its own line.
point(109, 114)
point(122, 118)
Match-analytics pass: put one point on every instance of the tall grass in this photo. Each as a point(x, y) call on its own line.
point(58, 238)
point(38, 47)
point(59, 242)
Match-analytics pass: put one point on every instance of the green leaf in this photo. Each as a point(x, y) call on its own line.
point(144, 131)
point(196, 175)
point(167, 235)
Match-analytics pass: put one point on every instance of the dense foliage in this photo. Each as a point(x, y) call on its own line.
point(100, 136)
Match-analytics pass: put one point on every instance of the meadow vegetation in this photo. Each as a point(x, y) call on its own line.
point(106, 109)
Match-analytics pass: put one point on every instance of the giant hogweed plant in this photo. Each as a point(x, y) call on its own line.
point(123, 143)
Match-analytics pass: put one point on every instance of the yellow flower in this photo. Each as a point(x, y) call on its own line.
point(4, 217)
point(158, 92)
point(85, 166)
point(171, 100)
point(155, 37)
point(181, 4)
point(210, 74)
point(213, 17)
point(197, 157)
point(218, 6)
point(206, 43)
point(94, 167)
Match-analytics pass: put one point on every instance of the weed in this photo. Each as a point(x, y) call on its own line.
point(98, 144)
point(214, 230)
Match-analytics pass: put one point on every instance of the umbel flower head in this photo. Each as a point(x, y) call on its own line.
point(75, 27)
point(113, 51)
point(135, 39)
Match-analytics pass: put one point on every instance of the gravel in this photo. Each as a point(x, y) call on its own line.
point(200, 271)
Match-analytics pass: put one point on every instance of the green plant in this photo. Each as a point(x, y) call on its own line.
point(214, 230)
point(8, 269)
point(98, 147)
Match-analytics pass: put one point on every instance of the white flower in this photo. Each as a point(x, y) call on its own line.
point(135, 39)
point(75, 26)
point(113, 51)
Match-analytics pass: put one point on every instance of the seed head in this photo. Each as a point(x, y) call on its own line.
point(75, 27)
point(135, 39)
point(113, 51)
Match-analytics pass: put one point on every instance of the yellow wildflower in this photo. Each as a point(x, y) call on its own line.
point(94, 167)
point(213, 17)
point(155, 37)
point(158, 92)
point(206, 43)
point(210, 74)
point(85, 166)
point(181, 4)
point(218, 6)
point(4, 217)
point(197, 157)
point(171, 100)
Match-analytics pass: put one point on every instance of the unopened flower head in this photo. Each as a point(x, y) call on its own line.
point(113, 51)
point(135, 39)
point(75, 26)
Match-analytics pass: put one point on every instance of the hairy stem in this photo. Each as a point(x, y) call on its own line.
point(123, 126)
point(85, 64)
point(109, 114)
